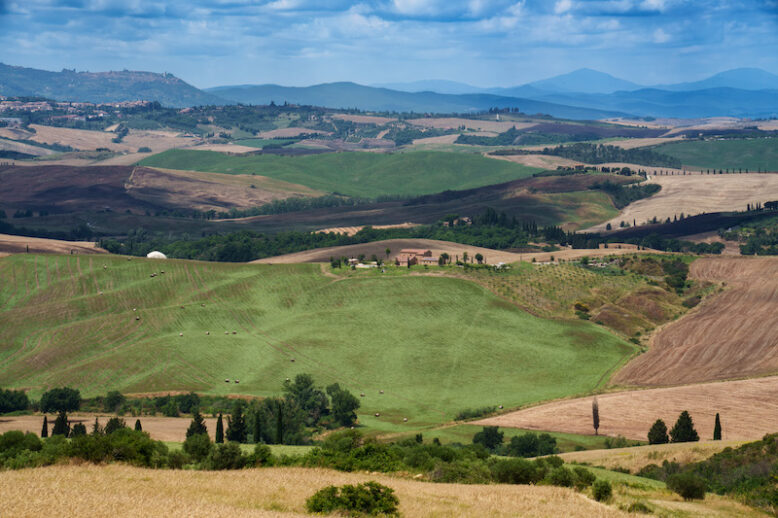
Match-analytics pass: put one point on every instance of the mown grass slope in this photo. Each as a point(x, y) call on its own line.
point(751, 154)
point(433, 345)
point(356, 174)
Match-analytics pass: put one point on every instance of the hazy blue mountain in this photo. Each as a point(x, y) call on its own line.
point(711, 102)
point(352, 95)
point(740, 78)
point(101, 87)
point(440, 86)
point(584, 80)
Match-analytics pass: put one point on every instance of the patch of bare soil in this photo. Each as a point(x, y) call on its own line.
point(730, 335)
point(748, 409)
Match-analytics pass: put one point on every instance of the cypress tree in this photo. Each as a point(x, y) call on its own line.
point(717, 429)
point(684, 431)
point(138, 427)
point(257, 427)
point(236, 424)
point(219, 430)
point(61, 425)
point(658, 433)
point(96, 430)
point(45, 429)
point(198, 425)
point(596, 415)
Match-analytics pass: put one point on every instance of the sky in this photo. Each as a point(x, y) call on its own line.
point(480, 42)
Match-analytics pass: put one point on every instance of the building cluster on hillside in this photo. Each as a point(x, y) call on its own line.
point(412, 256)
point(69, 107)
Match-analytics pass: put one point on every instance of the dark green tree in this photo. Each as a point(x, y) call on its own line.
point(219, 430)
point(114, 424)
point(684, 431)
point(61, 399)
point(138, 427)
point(490, 437)
point(717, 428)
point(658, 433)
point(96, 430)
point(344, 405)
point(61, 425)
point(79, 430)
point(197, 426)
point(198, 446)
point(113, 400)
point(311, 399)
point(236, 423)
point(596, 416)
point(45, 428)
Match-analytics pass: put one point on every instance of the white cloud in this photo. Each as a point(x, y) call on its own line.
point(660, 36)
point(563, 6)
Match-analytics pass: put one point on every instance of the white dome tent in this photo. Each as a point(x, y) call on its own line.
point(156, 255)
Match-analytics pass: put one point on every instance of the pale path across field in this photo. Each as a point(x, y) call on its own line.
point(695, 194)
point(748, 408)
point(731, 335)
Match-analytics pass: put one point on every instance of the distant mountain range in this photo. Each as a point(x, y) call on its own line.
point(582, 94)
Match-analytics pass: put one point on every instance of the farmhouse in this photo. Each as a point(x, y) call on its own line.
point(411, 256)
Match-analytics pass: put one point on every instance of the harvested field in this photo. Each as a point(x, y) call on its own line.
point(363, 119)
point(637, 457)
point(168, 429)
point(695, 194)
point(20, 147)
point(291, 132)
point(268, 492)
point(91, 140)
point(18, 245)
point(206, 191)
point(748, 408)
point(731, 335)
point(350, 231)
point(470, 124)
point(322, 255)
point(443, 139)
point(226, 148)
point(633, 143)
point(541, 161)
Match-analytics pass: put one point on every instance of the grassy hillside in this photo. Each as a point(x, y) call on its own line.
point(356, 174)
point(753, 154)
point(434, 345)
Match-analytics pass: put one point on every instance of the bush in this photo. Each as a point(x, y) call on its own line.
point(114, 424)
point(517, 471)
point(198, 446)
point(532, 445)
point(370, 498)
point(688, 485)
point(583, 477)
point(472, 413)
point(561, 477)
point(490, 437)
point(262, 456)
point(13, 401)
point(639, 507)
point(602, 490)
point(225, 456)
point(113, 400)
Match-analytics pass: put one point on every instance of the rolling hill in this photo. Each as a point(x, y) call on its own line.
point(101, 87)
point(434, 345)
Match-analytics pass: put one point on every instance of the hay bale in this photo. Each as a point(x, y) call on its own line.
point(377, 414)
point(380, 391)
point(226, 380)
point(237, 381)
point(405, 419)
point(156, 255)
point(208, 332)
point(180, 334)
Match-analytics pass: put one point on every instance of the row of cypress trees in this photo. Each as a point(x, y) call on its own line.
point(682, 431)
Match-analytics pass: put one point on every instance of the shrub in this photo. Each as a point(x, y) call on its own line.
point(370, 498)
point(639, 507)
point(517, 471)
point(583, 477)
point(688, 485)
point(561, 477)
point(262, 456)
point(490, 437)
point(472, 413)
point(225, 456)
point(78, 430)
point(602, 490)
point(658, 433)
point(177, 459)
point(113, 400)
point(114, 424)
point(198, 446)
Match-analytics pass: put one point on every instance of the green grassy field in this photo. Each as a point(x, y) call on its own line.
point(753, 154)
point(433, 345)
point(262, 142)
point(356, 174)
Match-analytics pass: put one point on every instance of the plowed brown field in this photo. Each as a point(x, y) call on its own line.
point(731, 335)
point(748, 408)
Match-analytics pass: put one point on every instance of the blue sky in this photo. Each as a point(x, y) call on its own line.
point(481, 42)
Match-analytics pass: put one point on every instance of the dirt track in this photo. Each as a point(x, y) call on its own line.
point(18, 245)
point(731, 335)
point(322, 255)
point(748, 408)
point(695, 194)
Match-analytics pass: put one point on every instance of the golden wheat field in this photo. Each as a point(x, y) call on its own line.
point(118, 490)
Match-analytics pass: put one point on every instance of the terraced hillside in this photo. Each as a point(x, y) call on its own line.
point(433, 345)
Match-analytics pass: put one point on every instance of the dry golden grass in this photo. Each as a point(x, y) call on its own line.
point(117, 490)
point(640, 456)
point(694, 194)
point(350, 231)
point(18, 245)
point(748, 408)
point(91, 140)
point(363, 119)
point(542, 161)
